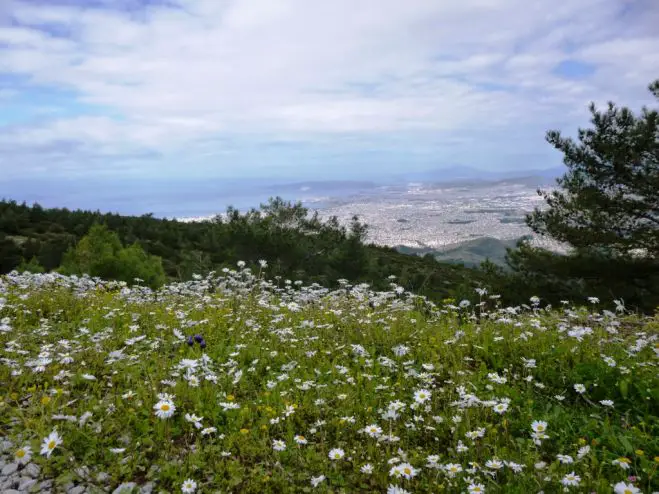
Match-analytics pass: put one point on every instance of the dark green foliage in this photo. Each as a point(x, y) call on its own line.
point(100, 253)
point(606, 208)
point(556, 277)
point(31, 266)
point(297, 246)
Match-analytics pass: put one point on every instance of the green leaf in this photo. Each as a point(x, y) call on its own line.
point(626, 444)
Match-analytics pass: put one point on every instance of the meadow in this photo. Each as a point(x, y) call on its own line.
point(231, 383)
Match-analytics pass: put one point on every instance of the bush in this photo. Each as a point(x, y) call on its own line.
point(101, 254)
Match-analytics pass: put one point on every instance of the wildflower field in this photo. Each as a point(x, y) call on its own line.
point(231, 383)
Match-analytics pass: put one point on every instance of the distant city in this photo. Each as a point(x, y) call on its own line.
point(462, 219)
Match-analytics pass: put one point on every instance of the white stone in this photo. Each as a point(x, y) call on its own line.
point(32, 470)
point(147, 488)
point(7, 483)
point(79, 489)
point(9, 469)
point(102, 477)
point(6, 445)
point(125, 488)
point(26, 484)
point(46, 484)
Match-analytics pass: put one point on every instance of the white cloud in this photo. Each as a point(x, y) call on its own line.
point(305, 68)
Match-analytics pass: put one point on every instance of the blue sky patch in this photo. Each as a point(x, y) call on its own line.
point(574, 69)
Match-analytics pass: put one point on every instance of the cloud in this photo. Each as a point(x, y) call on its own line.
point(218, 77)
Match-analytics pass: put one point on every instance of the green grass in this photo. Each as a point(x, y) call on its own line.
point(286, 357)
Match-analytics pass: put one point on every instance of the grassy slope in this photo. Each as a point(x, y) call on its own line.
point(286, 358)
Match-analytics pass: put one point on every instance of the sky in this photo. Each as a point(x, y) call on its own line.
point(180, 89)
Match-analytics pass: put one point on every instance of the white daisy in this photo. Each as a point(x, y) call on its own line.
point(476, 488)
point(50, 443)
point(336, 454)
point(623, 488)
point(164, 409)
point(300, 440)
point(23, 455)
point(422, 395)
point(571, 479)
point(188, 486)
point(539, 426)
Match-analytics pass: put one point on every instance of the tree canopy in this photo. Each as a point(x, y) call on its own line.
point(605, 210)
point(609, 199)
point(100, 253)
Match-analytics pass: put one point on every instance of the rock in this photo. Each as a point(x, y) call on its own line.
point(32, 470)
point(26, 484)
point(79, 489)
point(102, 477)
point(46, 484)
point(6, 445)
point(147, 488)
point(125, 488)
point(82, 472)
point(7, 483)
point(9, 469)
point(11, 491)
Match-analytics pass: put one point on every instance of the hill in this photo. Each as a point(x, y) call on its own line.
point(238, 384)
point(470, 253)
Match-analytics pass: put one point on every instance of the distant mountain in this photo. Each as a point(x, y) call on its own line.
point(473, 175)
point(470, 253)
point(322, 186)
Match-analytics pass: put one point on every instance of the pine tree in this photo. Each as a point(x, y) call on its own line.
point(608, 201)
point(605, 209)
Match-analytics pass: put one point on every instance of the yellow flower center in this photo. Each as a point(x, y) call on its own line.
point(541, 428)
point(51, 444)
point(628, 491)
point(20, 453)
point(407, 471)
point(164, 407)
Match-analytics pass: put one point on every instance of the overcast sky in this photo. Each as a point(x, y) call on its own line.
point(308, 88)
